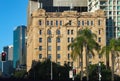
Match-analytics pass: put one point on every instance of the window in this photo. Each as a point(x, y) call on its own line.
point(49, 48)
point(99, 39)
point(60, 23)
point(58, 48)
point(56, 23)
point(68, 32)
point(58, 32)
point(99, 22)
point(49, 39)
point(49, 32)
point(51, 23)
point(58, 39)
point(68, 48)
point(68, 56)
point(91, 23)
point(70, 22)
point(72, 39)
point(47, 23)
point(78, 23)
point(72, 32)
point(82, 23)
point(68, 39)
point(99, 32)
point(88, 23)
point(58, 56)
point(40, 48)
point(40, 39)
point(49, 56)
point(90, 56)
point(40, 22)
point(40, 32)
point(40, 56)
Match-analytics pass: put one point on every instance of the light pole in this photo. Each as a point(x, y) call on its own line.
point(99, 70)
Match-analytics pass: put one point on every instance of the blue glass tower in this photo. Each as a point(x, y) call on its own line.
point(19, 46)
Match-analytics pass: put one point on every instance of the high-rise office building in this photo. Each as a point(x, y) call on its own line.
point(112, 12)
point(19, 46)
point(50, 33)
point(9, 52)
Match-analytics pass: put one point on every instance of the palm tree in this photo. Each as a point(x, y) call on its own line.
point(112, 48)
point(77, 51)
point(85, 38)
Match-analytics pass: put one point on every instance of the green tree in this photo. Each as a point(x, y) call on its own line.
point(111, 49)
point(42, 71)
point(85, 38)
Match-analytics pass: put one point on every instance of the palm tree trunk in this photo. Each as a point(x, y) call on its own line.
point(112, 58)
point(81, 67)
point(87, 71)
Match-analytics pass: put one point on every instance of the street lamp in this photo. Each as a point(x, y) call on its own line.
point(99, 69)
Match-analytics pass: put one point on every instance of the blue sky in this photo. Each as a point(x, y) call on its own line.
point(12, 14)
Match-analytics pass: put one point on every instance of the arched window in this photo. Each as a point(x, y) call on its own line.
point(49, 32)
point(58, 32)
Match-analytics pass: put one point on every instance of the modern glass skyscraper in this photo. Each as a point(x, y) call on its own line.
point(112, 12)
point(19, 46)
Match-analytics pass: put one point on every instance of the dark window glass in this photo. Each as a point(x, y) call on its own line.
point(40, 48)
point(40, 39)
point(58, 56)
point(40, 56)
point(60, 23)
point(40, 22)
point(49, 56)
point(49, 39)
point(68, 32)
point(58, 48)
point(40, 32)
point(49, 32)
point(72, 32)
point(58, 32)
point(58, 39)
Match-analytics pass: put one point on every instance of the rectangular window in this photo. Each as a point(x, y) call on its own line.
point(51, 23)
point(58, 48)
point(49, 39)
point(91, 23)
point(40, 32)
point(58, 39)
point(78, 23)
point(72, 39)
point(68, 39)
point(68, 56)
point(56, 23)
point(40, 56)
point(49, 56)
point(99, 22)
point(58, 56)
point(68, 48)
point(99, 32)
point(82, 23)
point(71, 32)
point(40, 39)
point(49, 48)
point(47, 23)
point(40, 48)
point(70, 22)
point(40, 22)
point(68, 32)
point(88, 23)
point(60, 23)
point(99, 39)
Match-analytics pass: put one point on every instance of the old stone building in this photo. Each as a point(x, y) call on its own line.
point(50, 33)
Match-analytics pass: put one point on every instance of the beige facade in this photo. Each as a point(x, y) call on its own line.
point(50, 33)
